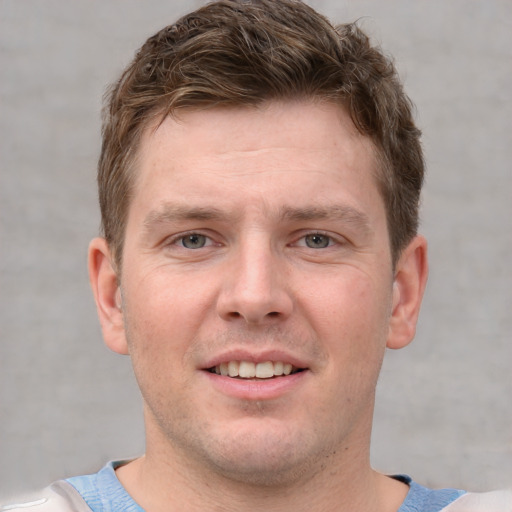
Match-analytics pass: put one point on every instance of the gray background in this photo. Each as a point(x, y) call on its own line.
point(67, 404)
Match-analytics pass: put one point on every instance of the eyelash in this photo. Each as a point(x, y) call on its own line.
point(332, 240)
point(179, 240)
point(175, 240)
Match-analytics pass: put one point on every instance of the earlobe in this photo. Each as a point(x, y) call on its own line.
point(408, 288)
point(107, 294)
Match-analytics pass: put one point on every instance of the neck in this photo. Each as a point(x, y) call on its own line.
point(343, 481)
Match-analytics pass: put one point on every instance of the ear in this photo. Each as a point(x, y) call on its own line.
point(408, 287)
point(105, 287)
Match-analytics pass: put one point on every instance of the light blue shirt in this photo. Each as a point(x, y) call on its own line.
point(103, 492)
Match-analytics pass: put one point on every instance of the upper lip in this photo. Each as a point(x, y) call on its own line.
point(255, 357)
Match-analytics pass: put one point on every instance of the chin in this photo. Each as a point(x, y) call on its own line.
point(256, 469)
point(265, 458)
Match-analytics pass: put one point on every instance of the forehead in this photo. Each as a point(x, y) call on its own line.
point(299, 145)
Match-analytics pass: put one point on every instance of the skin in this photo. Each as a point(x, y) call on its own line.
point(290, 262)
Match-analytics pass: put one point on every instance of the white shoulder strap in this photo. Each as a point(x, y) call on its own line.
point(58, 497)
point(495, 501)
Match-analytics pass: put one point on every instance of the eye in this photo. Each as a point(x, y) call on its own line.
point(193, 241)
point(317, 241)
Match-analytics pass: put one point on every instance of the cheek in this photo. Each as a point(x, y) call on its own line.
point(157, 341)
point(350, 316)
point(157, 320)
point(165, 314)
point(348, 301)
point(167, 301)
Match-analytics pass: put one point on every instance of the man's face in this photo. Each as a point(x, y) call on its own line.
point(256, 243)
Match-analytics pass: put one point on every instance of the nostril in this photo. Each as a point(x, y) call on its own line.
point(273, 313)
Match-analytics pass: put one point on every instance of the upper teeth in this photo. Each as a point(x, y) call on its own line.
point(248, 369)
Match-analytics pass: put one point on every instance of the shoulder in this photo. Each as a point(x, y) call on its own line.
point(96, 491)
point(58, 497)
point(495, 501)
point(422, 499)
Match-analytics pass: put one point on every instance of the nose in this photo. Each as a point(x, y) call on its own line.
point(256, 288)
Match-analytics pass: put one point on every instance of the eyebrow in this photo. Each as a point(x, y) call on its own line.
point(344, 213)
point(174, 212)
point(170, 212)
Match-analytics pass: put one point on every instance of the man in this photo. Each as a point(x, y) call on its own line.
point(259, 184)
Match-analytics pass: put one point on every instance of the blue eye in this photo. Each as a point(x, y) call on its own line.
point(193, 241)
point(317, 241)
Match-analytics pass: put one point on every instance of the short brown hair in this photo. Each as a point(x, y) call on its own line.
point(240, 53)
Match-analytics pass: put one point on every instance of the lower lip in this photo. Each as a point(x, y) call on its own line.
point(263, 389)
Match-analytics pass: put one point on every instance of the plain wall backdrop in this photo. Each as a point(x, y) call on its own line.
point(67, 405)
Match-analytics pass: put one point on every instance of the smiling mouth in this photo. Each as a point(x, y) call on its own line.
point(250, 370)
